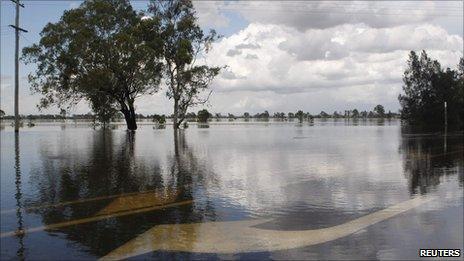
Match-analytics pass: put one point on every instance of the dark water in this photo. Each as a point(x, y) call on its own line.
point(115, 185)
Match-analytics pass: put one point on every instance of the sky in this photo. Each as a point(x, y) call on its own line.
point(280, 56)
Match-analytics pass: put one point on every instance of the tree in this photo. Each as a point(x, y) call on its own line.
point(183, 42)
point(355, 113)
point(203, 116)
point(63, 114)
point(95, 50)
point(2, 113)
point(363, 114)
point(160, 119)
point(264, 115)
point(190, 115)
point(426, 89)
point(323, 114)
point(300, 115)
point(379, 110)
point(279, 115)
point(104, 108)
point(246, 115)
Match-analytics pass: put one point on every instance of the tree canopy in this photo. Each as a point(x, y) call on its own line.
point(379, 110)
point(426, 89)
point(95, 50)
point(183, 43)
point(203, 116)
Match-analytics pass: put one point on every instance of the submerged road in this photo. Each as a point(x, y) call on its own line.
point(244, 236)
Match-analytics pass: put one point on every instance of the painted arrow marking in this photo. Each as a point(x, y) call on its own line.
point(244, 236)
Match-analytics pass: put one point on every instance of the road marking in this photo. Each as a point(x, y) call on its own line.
point(85, 200)
point(243, 236)
point(138, 201)
point(92, 219)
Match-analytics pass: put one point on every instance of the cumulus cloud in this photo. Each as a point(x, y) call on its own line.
point(230, 75)
point(209, 14)
point(338, 42)
point(233, 52)
point(350, 64)
point(251, 56)
point(248, 46)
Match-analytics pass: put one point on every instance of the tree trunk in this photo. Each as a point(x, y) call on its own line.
point(129, 116)
point(175, 122)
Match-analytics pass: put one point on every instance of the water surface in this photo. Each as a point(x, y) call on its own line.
point(71, 192)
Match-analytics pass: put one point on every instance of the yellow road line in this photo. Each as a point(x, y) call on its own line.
point(85, 200)
point(91, 219)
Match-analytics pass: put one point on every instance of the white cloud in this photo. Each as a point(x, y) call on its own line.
point(209, 14)
point(347, 64)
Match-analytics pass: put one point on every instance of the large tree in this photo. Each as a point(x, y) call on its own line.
point(95, 50)
point(426, 89)
point(184, 43)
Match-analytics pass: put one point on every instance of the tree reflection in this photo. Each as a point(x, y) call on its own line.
point(111, 179)
point(427, 157)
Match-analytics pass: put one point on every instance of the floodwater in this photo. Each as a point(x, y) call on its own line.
point(327, 190)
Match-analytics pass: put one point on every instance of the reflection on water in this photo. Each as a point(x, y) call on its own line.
point(83, 193)
point(427, 158)
point(18, 198)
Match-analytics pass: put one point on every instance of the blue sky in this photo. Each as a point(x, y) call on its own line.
point(282, 56)
point(37, 14)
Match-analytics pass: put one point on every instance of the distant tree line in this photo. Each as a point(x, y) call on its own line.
point(432, 93)
point(204, 115)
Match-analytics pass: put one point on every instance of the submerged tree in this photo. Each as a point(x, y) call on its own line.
point(203, 115)
point(300, 115)
point(104, 108)
point(379, 110)
point(95, 50)
point(426, 89)
point(183, 43)
point(63, 114)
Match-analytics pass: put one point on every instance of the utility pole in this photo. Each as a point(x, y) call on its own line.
point(17, 29)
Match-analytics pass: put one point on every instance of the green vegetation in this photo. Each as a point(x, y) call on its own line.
point(95, 50)
point(264, 115)
point(380, 111)
point(105, 53)
point(427, 87)
point(203, 116)
point(183, 41)
point(246, 116)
